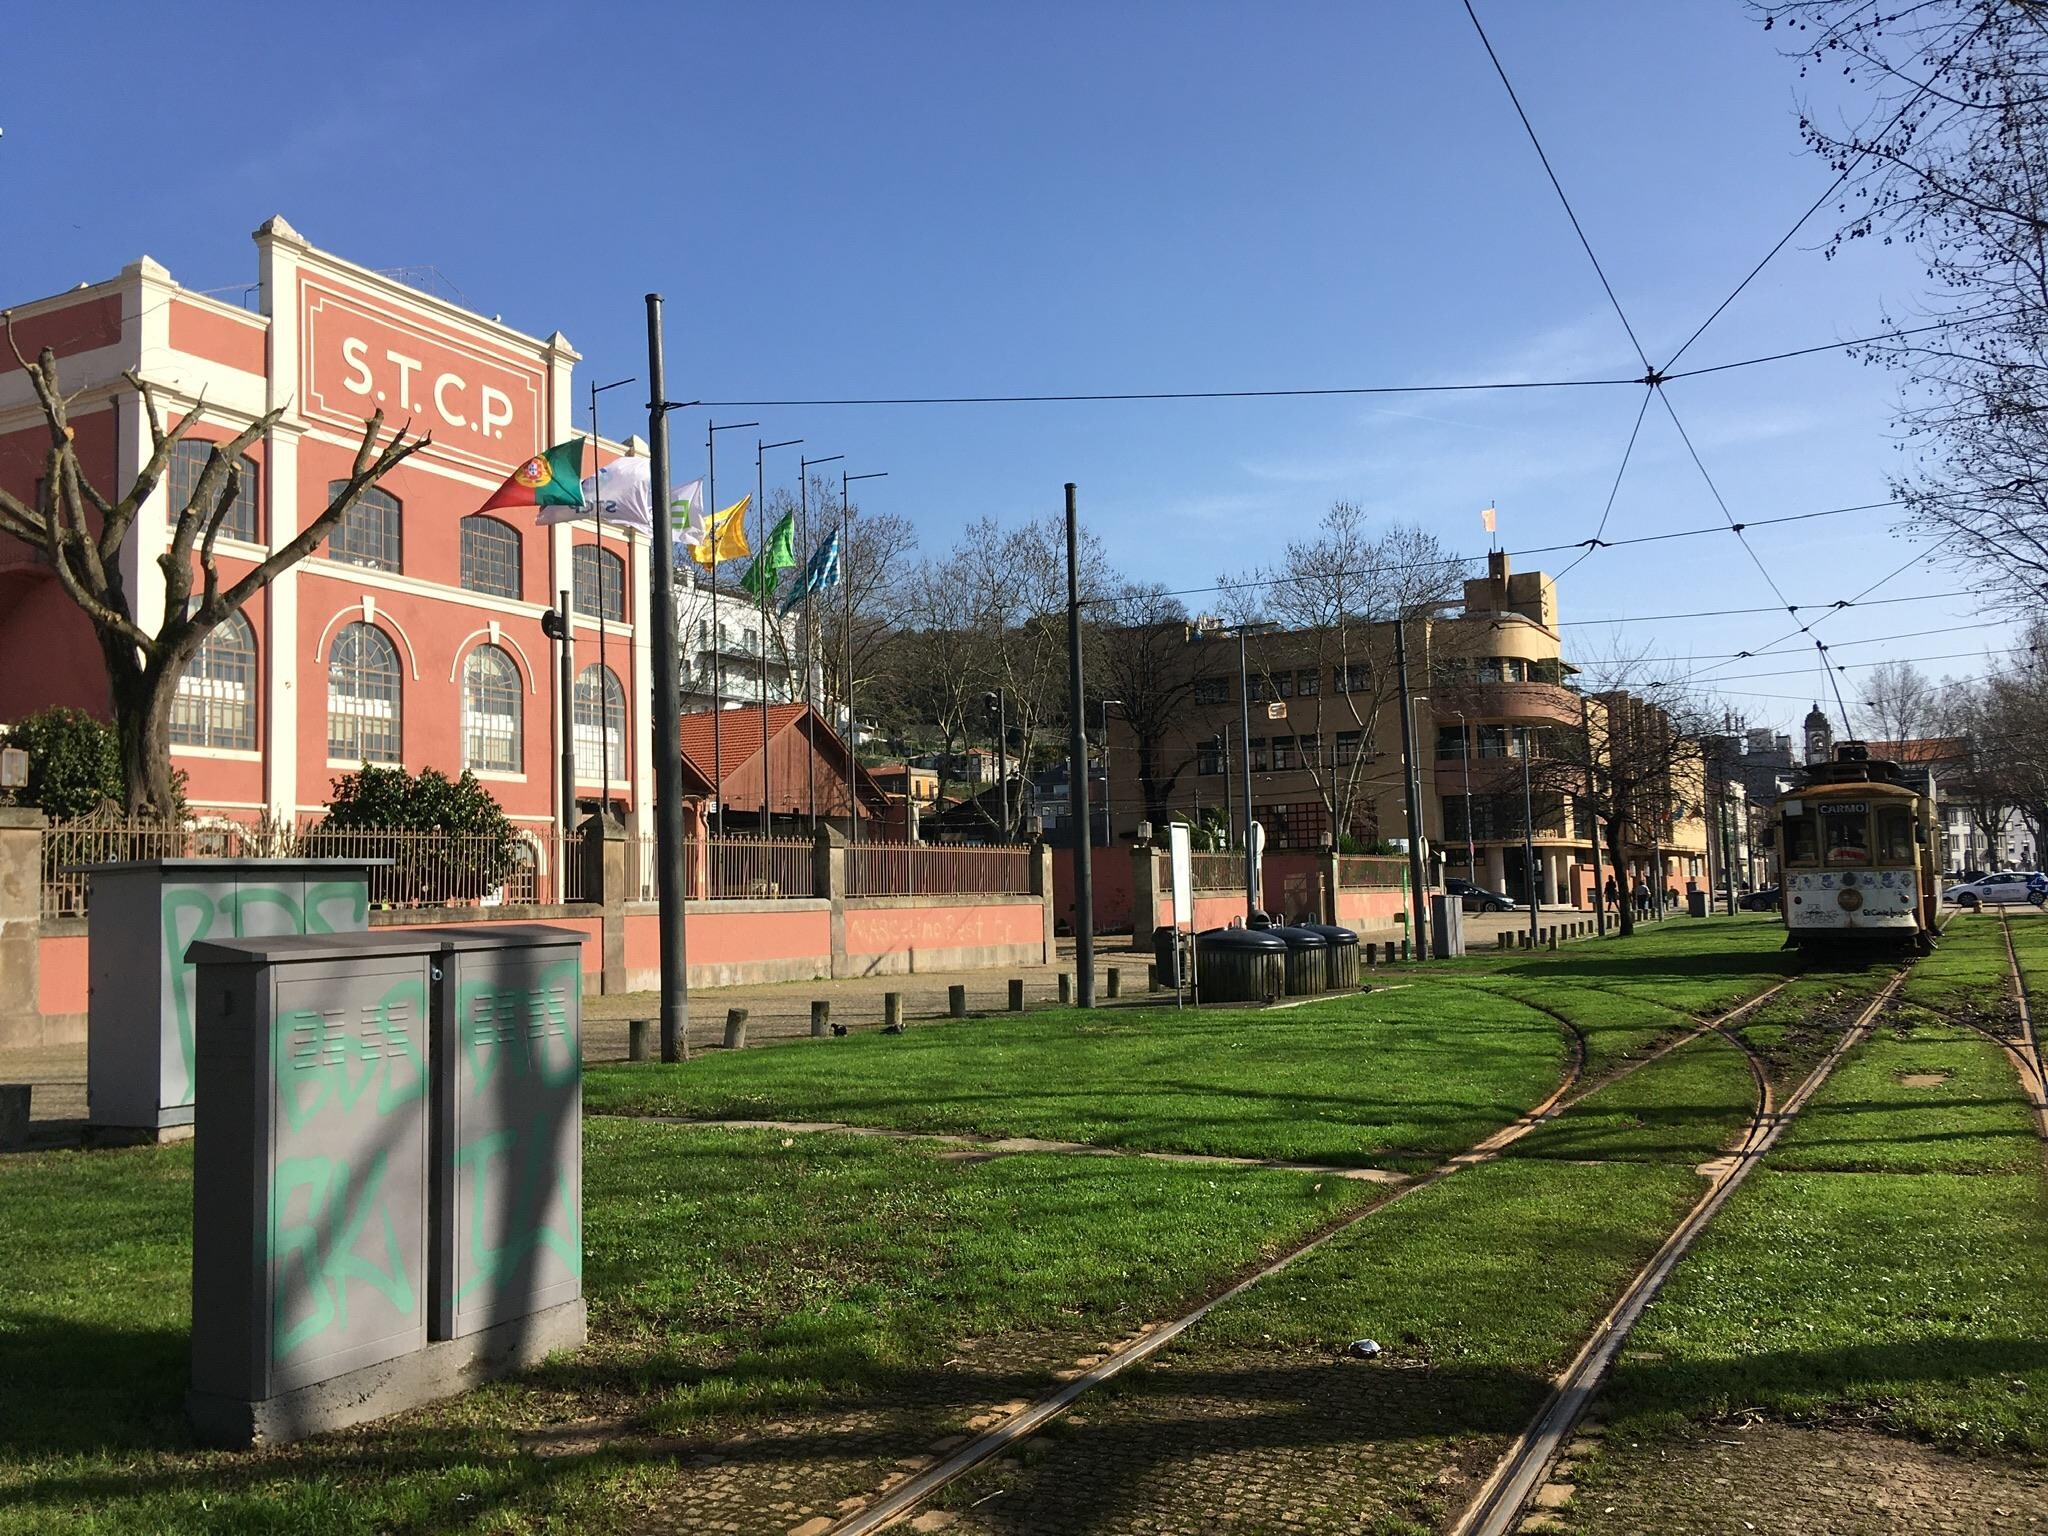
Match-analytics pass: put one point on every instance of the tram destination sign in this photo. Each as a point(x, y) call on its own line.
point(1845, 808)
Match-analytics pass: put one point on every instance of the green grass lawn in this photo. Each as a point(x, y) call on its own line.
point(1432, 1061)
point(1794, 1030)
point(1398, 1077)
point(1685, 1107)
point(1911, 1302)
point(2030, 943)
point(1877, 1112)
point(730, 1275)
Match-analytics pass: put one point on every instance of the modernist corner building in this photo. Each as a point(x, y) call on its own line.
point(413, 636)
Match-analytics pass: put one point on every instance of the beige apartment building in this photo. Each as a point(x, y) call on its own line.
point(1490, 696)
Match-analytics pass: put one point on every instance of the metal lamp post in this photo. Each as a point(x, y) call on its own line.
point(761, 451)
point(803, 537)
point(1529, 843)
point(711, 431)
point(1465, 753)
point(1108, 792)
point(604, 740)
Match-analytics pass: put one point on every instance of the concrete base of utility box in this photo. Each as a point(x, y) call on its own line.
point(444, 1368)
point(137, 1135)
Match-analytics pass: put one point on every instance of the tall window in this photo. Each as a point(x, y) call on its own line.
point(215, 704)
point(363, 696)
point(600, 582)
point(600, 723)
point(490, 710)
point(188, 463)
point(490, 556)
point(368, 533)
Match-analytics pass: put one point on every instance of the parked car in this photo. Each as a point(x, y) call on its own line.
point(1477, 898)
point(2006, 888)
point(1766, 899)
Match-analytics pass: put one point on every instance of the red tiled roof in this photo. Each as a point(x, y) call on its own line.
point(1921, 749)
point(737, 737)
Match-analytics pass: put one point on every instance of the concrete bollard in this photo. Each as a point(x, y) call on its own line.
point(821, 1018)
point(956, 1001)
point(1404, 950)
point(1521, 938)
point(1066, 988)
point(640, 1040)
point(1113, 982)
point(1016, 994)
point(892, 1010)
point(14, 1113)
point(1152, 976)
point(1550, 938)
point(735, 1029)
point(1502, 939)
point(1372, 954)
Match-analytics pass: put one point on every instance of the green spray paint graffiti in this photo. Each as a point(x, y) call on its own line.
point(324, 1209)
point(319, 1249)
point(521, 1067)
point(239, 909)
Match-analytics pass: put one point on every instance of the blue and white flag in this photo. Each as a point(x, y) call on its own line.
point(822, 572)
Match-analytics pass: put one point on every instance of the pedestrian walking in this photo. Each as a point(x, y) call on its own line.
point(1642, 897)
point(1613, 896)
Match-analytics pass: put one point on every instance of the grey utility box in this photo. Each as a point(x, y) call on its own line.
point(1446, 926)
point(140, 1054)
point(508, 1074)
point(349, 1210)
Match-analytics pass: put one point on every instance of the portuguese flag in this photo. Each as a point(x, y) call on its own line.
point(550, 479)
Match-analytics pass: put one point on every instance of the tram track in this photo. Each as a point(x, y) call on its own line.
point(900, 1502)
point(2025, 1052)
point(1501, 1500)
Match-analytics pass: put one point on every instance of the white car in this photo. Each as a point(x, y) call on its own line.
point(2003, 889)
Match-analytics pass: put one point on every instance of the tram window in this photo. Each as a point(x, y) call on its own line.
point(1895, 835)
point(1799, 840)
point(1848, 839)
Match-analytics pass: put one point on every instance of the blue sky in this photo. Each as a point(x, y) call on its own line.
point(943, 199)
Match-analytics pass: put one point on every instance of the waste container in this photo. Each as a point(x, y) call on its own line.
point(1164, 938)
point(1308, 963)
point(1446, 926)
point(1340, 959)
point(140, 1061)
point(1241, 965)
point(387, 1185)
point(1695, 903)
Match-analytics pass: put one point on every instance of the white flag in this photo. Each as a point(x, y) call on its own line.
point(686, 517)
point(619, 492)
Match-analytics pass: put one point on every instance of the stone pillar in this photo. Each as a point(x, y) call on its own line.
point(602, 852)
point(21, 925)
point(1041, 887)
point(828, 879)
point(1326, 876)
point(1147, 907)
point(1546, 869)
point(1496, 869)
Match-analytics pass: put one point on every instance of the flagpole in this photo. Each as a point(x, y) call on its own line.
point(604, 805)
point(846, 581)
point(803, 501)
point(763, 566)
point(711, 431)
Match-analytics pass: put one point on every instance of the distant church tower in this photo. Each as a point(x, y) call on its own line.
point(1820, 737)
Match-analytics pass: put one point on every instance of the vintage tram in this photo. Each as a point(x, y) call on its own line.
point(1856, 843)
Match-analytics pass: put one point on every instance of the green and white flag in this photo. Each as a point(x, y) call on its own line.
point(779, 556)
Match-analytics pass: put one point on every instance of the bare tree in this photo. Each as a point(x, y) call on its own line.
point(1637, 762)
point(941, 665)
point(1898, 703)
point(856, 620)
point(1142, 658)
point(1947, 157)
point(144, 663)
point(1333, 593)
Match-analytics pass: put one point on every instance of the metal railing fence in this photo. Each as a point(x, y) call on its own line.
point(937, 869)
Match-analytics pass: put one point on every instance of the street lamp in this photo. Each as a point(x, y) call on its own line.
point(1465, 752)
point(761, 451)
point(1244, 698)
point(711, 431)
point(1529, 842)
point(604, 739)
point(995, 706)
point(1108, 822)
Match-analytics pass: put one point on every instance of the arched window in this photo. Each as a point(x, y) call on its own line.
point(490, 556)
point(369, 532)
point(215, 704)
point(600, 582)
point(490, 710)
point(363, 700)
point(188, 463)
point(600, 724)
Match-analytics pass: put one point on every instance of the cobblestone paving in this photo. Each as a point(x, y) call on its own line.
point(1783, 1481)
point(801, 1473)
point(1206, 1440)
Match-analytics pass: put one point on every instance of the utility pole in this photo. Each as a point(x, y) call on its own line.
point(597, 510)
point(803, 518)
point(556, 627)
point(1419, 901)
point(1081, 835)
point(1244, 705)
point(761, 450)
point(1593, 819)
point(668, 722)
point(1529, 845)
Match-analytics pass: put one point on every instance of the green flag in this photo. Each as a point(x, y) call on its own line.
point(779, 556)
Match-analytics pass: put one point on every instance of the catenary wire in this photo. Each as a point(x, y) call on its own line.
point(1730, 613)
point(1613, 490)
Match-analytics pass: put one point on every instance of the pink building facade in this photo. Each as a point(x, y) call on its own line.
point(413, 636)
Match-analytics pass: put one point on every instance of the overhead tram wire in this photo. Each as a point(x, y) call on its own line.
point(1839, 645)
point(1731, 613)
point(1612, 491)
point(1557, 186)
point(1833, 187)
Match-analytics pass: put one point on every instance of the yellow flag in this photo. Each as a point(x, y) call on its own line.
point(725, 535)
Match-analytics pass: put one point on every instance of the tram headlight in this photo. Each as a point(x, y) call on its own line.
point(1849, 900)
